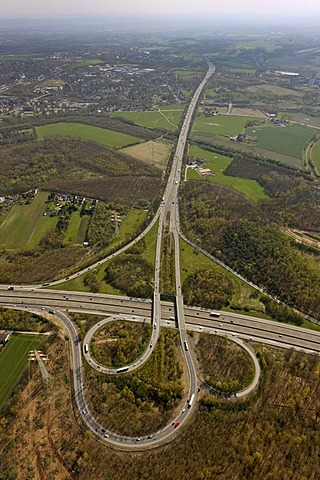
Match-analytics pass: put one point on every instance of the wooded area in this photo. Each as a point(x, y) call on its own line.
point(245, 237)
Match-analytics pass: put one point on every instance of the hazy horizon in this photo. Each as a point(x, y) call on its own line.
point(68, 8)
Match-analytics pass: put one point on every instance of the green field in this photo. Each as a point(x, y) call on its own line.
point(217, 164)
point(289, 140)
point(221, 125)
point(25, 225)
point(109, 138)
point(83, 227)
point(13, 361)
point(168, 118)
point(87, 62)
point(267, 46)
point(77, 227)
point(44, 225)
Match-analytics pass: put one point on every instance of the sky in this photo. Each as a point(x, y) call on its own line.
point(67, 8)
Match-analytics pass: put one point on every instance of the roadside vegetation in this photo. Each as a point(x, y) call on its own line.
point(167, 270)
point(96, 281)
point(120, 343)
point(22, 320)
point(132, 275)
point(225, 366)
point(208, 288)
point(143, 401)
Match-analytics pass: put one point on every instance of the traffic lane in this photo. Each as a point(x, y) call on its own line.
point(265, 328)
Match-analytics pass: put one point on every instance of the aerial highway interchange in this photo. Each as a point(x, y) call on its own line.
point(157, 312)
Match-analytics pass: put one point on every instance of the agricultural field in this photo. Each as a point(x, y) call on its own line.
point(87, 62)
point(301, 118)
point(221, 125)
point(267, 90)
point(155, 153)
point(289, 140)
point(217, 164)
point(44, 225)
point(24, 225)
point(108, 138)
point(13, 361)
point(267, 46)
point(77, 227)
point(247, 112)
point(166, 118)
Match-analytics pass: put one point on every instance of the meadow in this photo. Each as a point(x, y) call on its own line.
point(289, 140)
point(166, 118)
point(108, 138)
point(77, 227)
point(155, 153)
point(13, 361)
point(221, 125)
point(25, 225)
point(217, 164)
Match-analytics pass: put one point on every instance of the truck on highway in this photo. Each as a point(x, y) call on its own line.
point(122, 369)
point(86, 349)
point(186, 345)
point(214, 314)
point(190, 402)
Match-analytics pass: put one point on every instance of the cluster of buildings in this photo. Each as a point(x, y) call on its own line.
point(61, 83)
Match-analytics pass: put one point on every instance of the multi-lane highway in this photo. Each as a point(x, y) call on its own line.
point(159, 313)
point(169, 206)
point(244, 326)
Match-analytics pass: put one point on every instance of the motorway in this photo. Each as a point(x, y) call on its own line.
point(169, 206)
point(159, 313)
point(244, 326)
